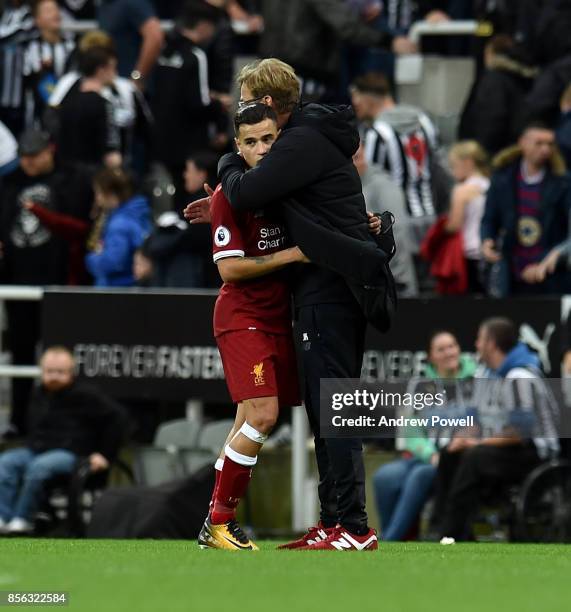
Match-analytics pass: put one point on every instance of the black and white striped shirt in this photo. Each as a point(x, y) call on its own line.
point(405, 153)
point(30, 68)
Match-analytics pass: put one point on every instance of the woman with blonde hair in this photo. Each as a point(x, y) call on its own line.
point(470, 167)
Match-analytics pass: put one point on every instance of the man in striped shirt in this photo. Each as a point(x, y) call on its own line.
point(32, 62)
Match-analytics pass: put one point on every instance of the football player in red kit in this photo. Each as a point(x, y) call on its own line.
point(253, 330)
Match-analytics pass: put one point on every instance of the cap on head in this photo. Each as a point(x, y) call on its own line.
point(33, 142)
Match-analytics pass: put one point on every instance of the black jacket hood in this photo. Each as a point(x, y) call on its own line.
point(337, 123)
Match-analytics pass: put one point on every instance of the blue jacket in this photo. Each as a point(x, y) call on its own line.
point(500, 217)
point(125, 230)
point(519, 357)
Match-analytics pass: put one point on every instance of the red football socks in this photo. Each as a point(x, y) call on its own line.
point(232, 484)
point(217, 474)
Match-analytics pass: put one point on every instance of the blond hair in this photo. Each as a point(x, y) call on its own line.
point(272, 77)
point(96, 38)
point(470, 149)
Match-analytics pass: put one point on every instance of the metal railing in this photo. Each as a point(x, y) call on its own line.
point(446, 28)
point(417, 31)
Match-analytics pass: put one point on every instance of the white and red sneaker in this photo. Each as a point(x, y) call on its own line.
point(341, 539)
point(313, 536)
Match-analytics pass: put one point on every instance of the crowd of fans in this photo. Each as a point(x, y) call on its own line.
point(154, 105)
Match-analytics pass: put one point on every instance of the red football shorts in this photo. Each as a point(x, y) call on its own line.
point(259, 364)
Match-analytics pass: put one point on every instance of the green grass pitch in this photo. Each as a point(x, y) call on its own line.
point(105, 575)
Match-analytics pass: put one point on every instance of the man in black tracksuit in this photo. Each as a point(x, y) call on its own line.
point(311, 162)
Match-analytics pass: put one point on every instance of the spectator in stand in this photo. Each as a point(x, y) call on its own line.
point(493, 112)
point(563, 132)
point(88, 135)
point(402, 140)
point(46, 56)
point(402, 487)
point(137, 33)
point(185, 112)
point(8, 151)
point(310, 34)
point(68, 421)
point(30, 253)
point(383, 194)
point(512, 441)
point(470, 167)
point(526, 213)
point(181, 253)
point(131, 113)
point(247, 23)
point(127, 225)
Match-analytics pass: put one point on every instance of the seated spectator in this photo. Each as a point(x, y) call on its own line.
point(493, 113)
point(402, 487)
point(185, 113)
point(137, 33)
point(563, 132)
point(127, 225)
point(131, 113)
point(47, 52)
point(88, 135)
point(470, 167)
point(383, 194)
point(508, 451)
point(526, 213)
point(68, 421)
point(31, 254)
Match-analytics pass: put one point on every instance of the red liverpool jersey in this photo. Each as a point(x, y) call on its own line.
point(261, 303)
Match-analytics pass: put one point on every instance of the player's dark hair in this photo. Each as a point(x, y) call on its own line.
point(93, 59)
point(252, 114)
point(195, 11)
point(115, 181)
point(502, 331)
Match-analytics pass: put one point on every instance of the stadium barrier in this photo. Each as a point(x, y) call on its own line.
point(158, 344)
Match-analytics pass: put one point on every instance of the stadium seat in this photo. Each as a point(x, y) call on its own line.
point(69, 499)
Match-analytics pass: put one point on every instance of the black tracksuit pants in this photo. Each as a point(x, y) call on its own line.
point(463, 476)
point(331, 337)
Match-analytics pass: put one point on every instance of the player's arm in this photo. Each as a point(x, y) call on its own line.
point(236, 269)
point(288, 167)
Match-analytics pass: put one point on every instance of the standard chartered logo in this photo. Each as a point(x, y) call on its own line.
point(271, 238)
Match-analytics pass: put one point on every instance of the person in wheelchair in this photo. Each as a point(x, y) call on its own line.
point(516, 430)
point(68, 421)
